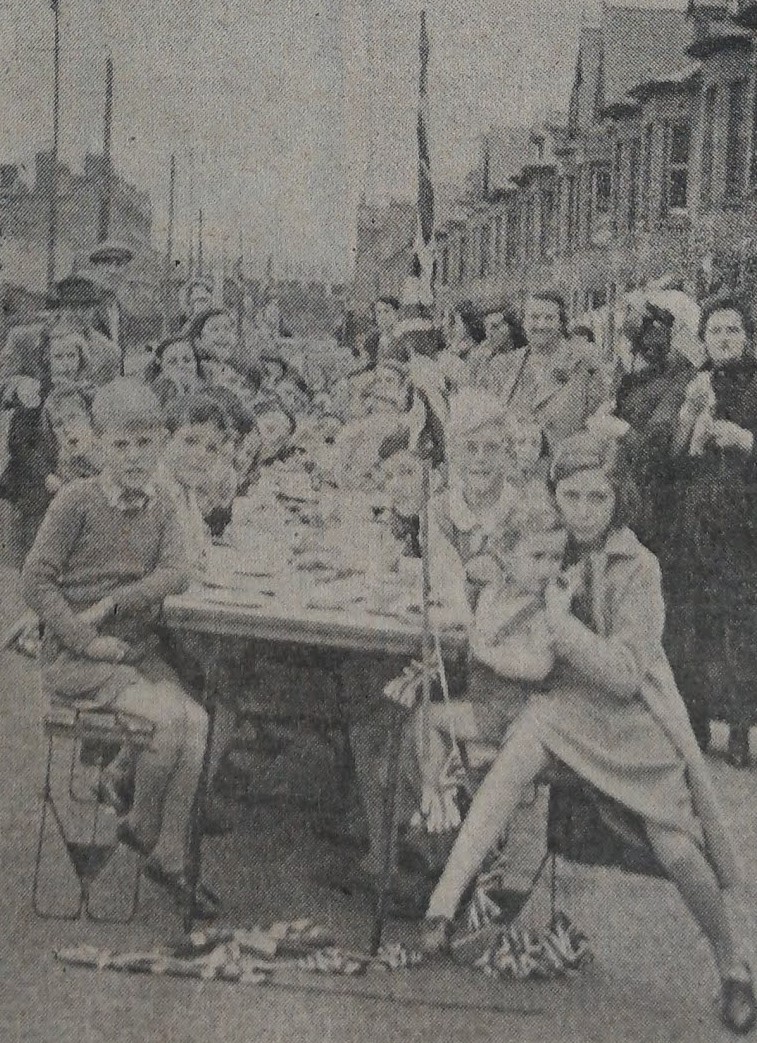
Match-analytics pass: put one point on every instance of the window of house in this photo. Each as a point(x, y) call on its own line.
point(737, 142)
point(601, 193)
point(549, 214)
point(511, 246)
point(646, 175)
point(634, 159)
point(617, 171)
point(529, 226)
point(463, 260)
point(483, 267)
point(570, 191)
point(445, 266)
point(708, 145)
point(497, 247)
point(676, 167)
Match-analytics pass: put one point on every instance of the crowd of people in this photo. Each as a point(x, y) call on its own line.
point(595, 516)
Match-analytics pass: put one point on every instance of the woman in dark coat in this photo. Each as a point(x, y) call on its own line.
point(709, 558)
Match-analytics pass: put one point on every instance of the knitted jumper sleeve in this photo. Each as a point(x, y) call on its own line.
point(46, 561)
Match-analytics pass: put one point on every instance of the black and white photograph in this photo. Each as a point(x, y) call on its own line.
point(378, 521)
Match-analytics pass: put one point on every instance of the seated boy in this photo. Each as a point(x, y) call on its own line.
point(109, 550)
point(511, 657)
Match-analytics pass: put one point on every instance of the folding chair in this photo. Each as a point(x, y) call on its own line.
point(87, 733)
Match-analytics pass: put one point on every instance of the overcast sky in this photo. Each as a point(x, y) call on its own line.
point(284, 109)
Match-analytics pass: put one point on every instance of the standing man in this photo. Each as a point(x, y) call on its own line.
point(108, 262)
point(549, 382)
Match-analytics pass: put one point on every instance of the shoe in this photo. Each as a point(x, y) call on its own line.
point(117, 791)
point(206, 905)
point(342, 830)
point(408, 894)
point(738, 1010)
point(125, 835)
point(738, 746)
point(436, 934)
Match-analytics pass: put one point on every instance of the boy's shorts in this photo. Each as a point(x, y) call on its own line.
point(70, 677)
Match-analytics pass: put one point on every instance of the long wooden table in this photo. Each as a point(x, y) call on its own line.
point(275, 609)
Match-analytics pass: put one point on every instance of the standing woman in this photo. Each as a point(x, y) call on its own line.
point(611, 713)
point(709, 560)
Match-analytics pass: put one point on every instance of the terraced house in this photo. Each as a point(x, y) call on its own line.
point(650, 171)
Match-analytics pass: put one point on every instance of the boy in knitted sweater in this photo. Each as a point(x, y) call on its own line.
point(109, 550)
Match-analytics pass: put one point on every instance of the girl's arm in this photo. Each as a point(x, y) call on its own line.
point(618, 662)
point(517, 658)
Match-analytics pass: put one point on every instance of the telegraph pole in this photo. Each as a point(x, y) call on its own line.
point(169, 244)
point(52, 229)
point(107, 175)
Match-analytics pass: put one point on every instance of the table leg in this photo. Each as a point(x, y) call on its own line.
point(194, 841)
point(391, 826)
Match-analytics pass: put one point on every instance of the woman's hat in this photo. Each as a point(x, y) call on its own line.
point(76, 292)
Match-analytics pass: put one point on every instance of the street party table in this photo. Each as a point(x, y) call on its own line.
point(313, 570)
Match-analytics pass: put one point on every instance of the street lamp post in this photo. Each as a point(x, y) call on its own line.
point(52, 233)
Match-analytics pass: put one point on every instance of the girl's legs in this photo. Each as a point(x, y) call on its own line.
point(443, 719)
point(520, 760)
point(687, 867)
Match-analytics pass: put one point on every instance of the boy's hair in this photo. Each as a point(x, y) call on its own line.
point(155, 367)
point(197, 409)
point(273, 405)
point(197, 324)
point(126, 402)
point(62, 392)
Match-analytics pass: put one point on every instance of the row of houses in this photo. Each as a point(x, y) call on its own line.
point(651, 171)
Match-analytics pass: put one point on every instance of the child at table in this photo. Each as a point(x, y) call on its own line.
point(198, 431)
point(511, 653)
point(109, 550)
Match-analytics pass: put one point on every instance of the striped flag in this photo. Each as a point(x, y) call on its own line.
point(424, 238)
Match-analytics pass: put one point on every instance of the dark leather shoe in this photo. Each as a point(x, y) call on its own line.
point(206, 905)
point(737, 1005)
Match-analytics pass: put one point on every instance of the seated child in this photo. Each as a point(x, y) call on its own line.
point(109, 550)
point(199, 429)
point(511, 651)
point(174, 370)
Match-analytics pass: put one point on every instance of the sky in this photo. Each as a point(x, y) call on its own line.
point(281, 112)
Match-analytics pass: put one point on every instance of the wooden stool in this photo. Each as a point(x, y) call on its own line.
point(97, 730)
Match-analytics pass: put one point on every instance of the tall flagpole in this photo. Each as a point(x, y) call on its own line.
point(168, 275)
point(52, 230)
point(107, 175)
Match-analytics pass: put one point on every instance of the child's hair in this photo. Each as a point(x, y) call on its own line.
point(155, 368)
point(197, 324)
point(127, 403)
point(299, 382)
point(197, 409)
point(273, 405)
point(63, 392)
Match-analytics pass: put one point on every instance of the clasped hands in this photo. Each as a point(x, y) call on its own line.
point(104, 649)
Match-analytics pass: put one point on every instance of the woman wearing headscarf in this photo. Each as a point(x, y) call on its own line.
point(709, 559)
point(612, 714)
